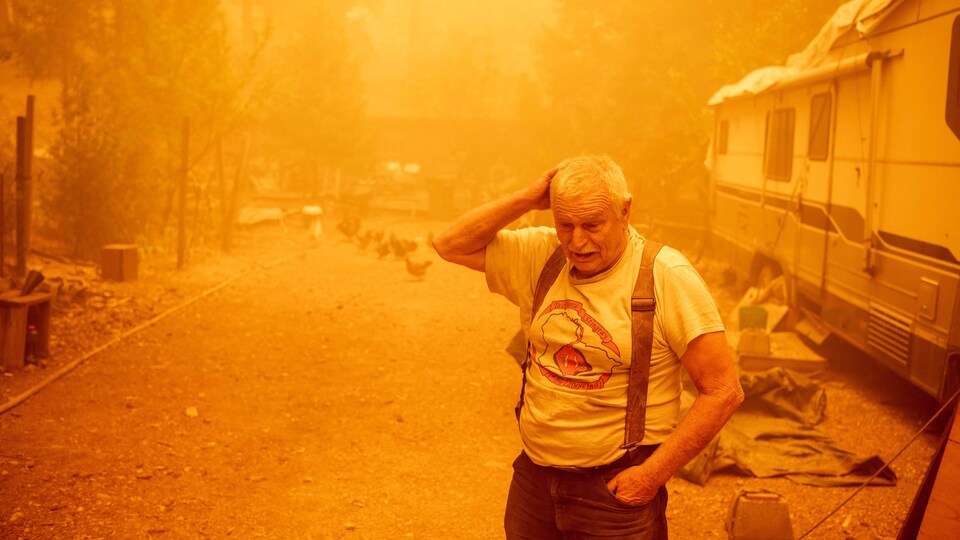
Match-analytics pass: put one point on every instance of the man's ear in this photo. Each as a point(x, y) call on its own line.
point(626, 208)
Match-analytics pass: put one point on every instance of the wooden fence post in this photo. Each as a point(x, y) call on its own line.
point(221, 186)
point(182, 211)
point(24, 187)
point(234, 201)
point(3, 229)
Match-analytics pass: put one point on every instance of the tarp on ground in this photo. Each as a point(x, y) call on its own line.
point(775, 433)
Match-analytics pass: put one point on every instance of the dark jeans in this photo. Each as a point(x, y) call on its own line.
point(547, 503)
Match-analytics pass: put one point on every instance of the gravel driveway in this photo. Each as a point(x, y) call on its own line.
point(334, 395)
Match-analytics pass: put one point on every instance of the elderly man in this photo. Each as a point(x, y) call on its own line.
point(610, 318)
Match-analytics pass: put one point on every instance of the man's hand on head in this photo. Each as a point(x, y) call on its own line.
point(540, 190)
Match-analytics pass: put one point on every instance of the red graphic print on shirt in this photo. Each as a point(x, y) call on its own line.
point(575, 358)
point(570, 360)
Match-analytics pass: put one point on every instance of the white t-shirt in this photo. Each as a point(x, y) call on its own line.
point(581, 341)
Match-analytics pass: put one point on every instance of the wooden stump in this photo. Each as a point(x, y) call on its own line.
point(16, 313)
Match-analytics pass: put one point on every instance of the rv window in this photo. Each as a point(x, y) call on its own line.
point(819, 127)
point(778, 155)
point(723, 137)
point(953, 81)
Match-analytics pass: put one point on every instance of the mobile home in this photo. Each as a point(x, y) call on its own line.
point(841, 170)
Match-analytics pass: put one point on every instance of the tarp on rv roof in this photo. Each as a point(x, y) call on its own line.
point(864, 15)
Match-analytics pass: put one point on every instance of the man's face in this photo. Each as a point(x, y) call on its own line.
point(591, 232)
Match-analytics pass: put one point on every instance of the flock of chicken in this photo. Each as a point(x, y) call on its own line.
point(386, 245)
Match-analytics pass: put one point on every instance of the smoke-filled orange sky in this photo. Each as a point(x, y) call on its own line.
point(487, 91)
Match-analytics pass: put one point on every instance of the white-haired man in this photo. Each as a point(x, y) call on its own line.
point(599, 430)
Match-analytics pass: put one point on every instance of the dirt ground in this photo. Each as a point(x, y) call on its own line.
point(327, 393)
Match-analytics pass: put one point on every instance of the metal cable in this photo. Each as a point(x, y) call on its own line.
point(885, 465)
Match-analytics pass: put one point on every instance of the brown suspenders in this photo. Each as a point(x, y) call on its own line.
point(642, 307)
point(643, 304)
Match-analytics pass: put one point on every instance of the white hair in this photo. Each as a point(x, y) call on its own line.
point(589, 174)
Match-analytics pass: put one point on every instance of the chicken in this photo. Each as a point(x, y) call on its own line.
point(397, 244)
point(349, 226)
point(383, 249)
point(363, 240)
point(417, 268)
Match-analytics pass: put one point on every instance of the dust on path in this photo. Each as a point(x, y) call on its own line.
point(336, 396)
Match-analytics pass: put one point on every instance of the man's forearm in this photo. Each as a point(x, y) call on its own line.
point(698, 427)
point(709, 362)
point(465, 240)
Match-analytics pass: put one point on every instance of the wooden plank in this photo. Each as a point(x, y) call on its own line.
point(13, 336)
point(942, 517)
point(14, 298)
point(955, 428)
point(786, 350)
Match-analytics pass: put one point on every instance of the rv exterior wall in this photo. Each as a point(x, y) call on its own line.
point(864, 223)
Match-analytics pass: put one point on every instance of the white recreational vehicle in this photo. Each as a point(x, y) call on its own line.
point(841, 170)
